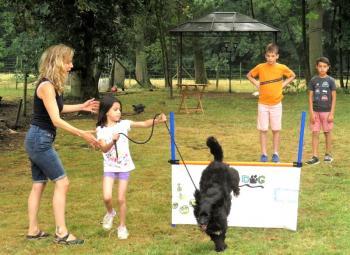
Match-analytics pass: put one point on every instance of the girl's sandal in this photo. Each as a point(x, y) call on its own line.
point(64, 240)
point(38, 236)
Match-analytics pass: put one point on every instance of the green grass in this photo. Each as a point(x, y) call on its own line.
point(324, 209)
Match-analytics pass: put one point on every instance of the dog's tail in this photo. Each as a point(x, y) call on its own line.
point(215, 148)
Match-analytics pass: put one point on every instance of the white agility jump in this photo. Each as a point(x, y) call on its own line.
point(269, 191)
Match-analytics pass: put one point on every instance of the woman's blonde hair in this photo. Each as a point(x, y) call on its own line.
point(51, 65)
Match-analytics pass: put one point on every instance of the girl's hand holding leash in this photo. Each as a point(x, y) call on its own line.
point(161, 118)
point(115, 137)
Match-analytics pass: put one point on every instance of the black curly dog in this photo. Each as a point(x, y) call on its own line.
point(213, 199)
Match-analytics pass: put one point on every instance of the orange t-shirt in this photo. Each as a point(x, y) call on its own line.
point(271, 78)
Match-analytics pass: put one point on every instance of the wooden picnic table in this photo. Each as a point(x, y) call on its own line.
point(191, 90)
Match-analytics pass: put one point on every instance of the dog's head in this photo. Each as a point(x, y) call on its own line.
point(204, 216)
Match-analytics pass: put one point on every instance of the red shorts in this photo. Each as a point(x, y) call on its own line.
point(321, 120)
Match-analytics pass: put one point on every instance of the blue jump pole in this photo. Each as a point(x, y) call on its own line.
point(172, 136)
point(301, 139)
point(172, 141)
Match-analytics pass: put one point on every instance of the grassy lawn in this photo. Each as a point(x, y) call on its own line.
point(324, 209)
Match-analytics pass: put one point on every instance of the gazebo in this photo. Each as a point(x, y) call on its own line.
point(223, 24)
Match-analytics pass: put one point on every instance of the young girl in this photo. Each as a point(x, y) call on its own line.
point(117, 158)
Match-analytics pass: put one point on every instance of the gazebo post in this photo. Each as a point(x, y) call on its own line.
point(275, 37)
point(169, 66)
point(179, 63)
point(229, 82)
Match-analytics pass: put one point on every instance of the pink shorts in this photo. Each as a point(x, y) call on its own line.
point(269, 114)
point(321, 120)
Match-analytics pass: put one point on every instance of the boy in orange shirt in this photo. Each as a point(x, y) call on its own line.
point(270, 84)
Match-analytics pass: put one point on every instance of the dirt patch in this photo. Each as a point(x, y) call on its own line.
point(12, 136)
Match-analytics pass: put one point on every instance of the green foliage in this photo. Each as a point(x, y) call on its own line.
point(24, 36)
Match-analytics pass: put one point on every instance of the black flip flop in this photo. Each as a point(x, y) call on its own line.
point(38, 236)
point(63, 240)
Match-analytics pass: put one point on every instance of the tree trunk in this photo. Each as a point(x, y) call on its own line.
point(112, 75)
point(25, 86)
point(119, 74)
point(75, 84)
point(340, 48)
point(305, 56)
point(199, 68)
point(165, 57)
point(315, 34)
point(89, 83)
point(347, 70)
point(141, 70)
point(217, 72)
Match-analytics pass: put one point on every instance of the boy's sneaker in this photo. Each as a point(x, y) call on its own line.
point(313, 161)
point(275, 158)
point(107, 222)
point(328, 158)
point(263, 158)
point(123, 233)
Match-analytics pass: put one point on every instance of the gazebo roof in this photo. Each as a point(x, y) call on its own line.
point(222, 22)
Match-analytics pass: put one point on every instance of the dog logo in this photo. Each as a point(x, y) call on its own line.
point(253, 181)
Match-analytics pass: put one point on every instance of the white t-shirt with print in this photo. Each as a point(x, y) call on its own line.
point(113, 162)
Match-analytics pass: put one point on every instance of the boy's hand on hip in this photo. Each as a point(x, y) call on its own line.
point(257, 85)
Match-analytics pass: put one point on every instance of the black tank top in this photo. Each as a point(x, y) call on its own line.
point(41, 118)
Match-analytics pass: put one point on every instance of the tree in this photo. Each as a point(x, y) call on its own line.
point(94, 29)
point(25, 38)
point(315, 32)
point(141, 70)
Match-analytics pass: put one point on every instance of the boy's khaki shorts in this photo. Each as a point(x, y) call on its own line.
point(269, 114)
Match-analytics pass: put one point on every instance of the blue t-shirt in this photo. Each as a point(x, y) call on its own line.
point(322, 88)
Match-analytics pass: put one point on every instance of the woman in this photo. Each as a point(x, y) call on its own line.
point(54, 66)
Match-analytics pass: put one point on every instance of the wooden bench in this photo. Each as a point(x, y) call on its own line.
point(194, 91)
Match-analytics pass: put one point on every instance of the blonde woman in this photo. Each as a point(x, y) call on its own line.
point(54, 66)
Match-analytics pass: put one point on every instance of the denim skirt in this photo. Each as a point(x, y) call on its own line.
point(45, 162)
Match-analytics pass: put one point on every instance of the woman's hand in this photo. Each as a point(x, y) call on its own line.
point(91, 106)
point(90, 138)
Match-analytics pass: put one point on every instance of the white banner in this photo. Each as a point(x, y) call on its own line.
point(268, 196)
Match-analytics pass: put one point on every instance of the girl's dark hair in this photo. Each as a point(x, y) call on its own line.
point(106, 103)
